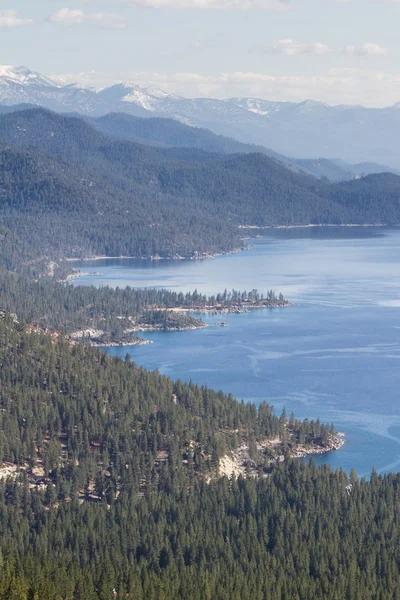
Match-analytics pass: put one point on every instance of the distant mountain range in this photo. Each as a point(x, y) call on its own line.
point(300, 130)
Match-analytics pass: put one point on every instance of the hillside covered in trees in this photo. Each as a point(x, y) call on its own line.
point(111, 492)
point(69, 190)
point(169, 133)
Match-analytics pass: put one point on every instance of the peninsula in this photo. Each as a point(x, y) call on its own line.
point(177, 318)
point(106, 316)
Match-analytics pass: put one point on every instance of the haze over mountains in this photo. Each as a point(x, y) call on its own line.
point(301, 130)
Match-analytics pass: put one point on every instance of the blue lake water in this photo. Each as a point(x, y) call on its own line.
point(335, 354)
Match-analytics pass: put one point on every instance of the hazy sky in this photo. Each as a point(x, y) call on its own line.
point(344, 51)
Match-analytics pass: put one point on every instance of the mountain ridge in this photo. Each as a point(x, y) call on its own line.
point(165, 132)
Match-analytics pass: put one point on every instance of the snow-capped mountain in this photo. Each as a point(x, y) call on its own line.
point(23, 76)
point(304, 129)
point(19, 85)
point(146, 98)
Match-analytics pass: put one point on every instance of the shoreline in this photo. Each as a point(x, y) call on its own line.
point(202, 256)
point(337, 442)
point(92, 337)
point(76, 273)
point(137, 342)
point(309, 225)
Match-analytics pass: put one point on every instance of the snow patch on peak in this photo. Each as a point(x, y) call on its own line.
point(24, 76)
point(5, 70)
point(156, 92)
point(147, 98)
point(140, 97)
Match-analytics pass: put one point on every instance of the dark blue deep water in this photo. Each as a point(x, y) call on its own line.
point(335, 354)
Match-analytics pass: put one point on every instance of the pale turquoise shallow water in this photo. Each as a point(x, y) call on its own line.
point(335, 354)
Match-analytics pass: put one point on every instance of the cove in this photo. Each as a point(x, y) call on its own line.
point(335, 354)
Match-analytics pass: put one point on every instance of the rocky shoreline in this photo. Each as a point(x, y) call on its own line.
point(239, 463)
point(78, 273)
point(93, 337)
point(179, 319)
point(334, 443)
point(134, 342)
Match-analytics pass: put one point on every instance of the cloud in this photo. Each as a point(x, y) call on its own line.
point(368, 49)
point(76, 16)
point(292, 48)
point(9, 19)
point(215, 4)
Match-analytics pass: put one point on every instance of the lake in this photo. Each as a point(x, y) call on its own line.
point(335, 354)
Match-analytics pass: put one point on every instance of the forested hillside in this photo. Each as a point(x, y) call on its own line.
point(53, 209)
point(168, 133)
point(68, 190)
point(114, 497)
point(66, 406)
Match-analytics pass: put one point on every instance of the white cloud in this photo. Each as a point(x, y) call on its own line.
point(76, 16)
point(292, 48)
point(336, 86)
point(368, 49)
point(10, 19)
point(215, 4)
